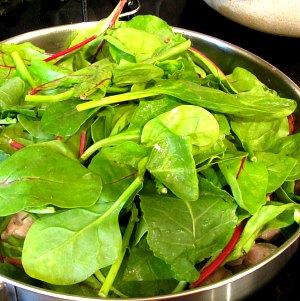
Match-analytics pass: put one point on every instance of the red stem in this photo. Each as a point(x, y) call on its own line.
point(15, 144)
point(208, 270)
point(44, 86)
point(291, 120)
point(71, 49)
point(79, 45)
point(110, 25)
point(117, 14)
point(84, 96)
point(241, 167)
point(203, 55)
point(14, 261)
point(82, 143)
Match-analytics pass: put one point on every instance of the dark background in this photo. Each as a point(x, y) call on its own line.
point(19, 16)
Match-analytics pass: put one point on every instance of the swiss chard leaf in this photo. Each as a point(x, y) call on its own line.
point(248, 182)
point(38, 175)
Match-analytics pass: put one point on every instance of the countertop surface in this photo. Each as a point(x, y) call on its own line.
point(282, 52)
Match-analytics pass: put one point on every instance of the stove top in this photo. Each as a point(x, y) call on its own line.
point(282, 52)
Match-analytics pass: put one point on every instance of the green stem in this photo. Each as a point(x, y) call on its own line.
point(180, 287)
point(22, 69)
point(182, 47)
point(114, 99)
point(110, 278)
point(130, 190)
point(50, 98)
point(109, 141)
point(101, 278)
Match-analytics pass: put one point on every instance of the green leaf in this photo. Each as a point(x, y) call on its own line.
point(248, 182)
point(52, 120)
point(11, 93)
point(290, 146)
point(139, 44)
point(245, 81)
point(171, 162)
point(145, 275)
point(116, 176)
point(255, 224)
point(279, 168)
point(186, 120)
point(32, 126)
point(153, 25)
point(184, 233)
point(129, 73)
point(262, 135)
point(39, 175)
point(60, 251)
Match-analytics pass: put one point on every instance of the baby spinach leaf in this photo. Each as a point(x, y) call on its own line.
point(171, 163)
point(140, 45)
point(279, 168)
point(290, 146)
point(195, 122)
point(257, 108)
point(60, 251)
point(148, 110)
point(116, 176)
point(32, 126)
point(38, 175)
point(12, 93)
point(153, 25)
point(142, 267)
point(128, 152)
point(243, 106)
point(245, 81)
point(184, 233)
point(262, 135)
point(52, 120)
point(254, 225)
point(248, 182)
point(127, 73)
point(207, 188)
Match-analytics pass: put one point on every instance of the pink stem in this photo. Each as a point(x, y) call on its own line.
point(82, 143)
point(207, 271)
point(110, 25)
point(16, 144)
point(71, 49)
point(241, 167)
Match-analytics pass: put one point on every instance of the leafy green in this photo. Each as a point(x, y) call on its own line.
point(195, 236)
point(49, 177)
point(138, 158)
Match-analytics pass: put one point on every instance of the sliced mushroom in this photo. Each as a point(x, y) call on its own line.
point(18, 225)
